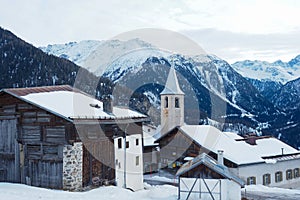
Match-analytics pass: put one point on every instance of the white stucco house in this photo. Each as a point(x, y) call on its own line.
point(256, 160)
point(129, 162)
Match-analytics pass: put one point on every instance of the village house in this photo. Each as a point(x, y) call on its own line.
point(256, 160)
point(60, 137)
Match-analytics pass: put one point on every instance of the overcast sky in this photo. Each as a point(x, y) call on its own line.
point(231, 29)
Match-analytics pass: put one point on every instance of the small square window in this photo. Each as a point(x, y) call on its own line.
point(296, 173)
point(278, 177)
point(251, 180)
point(289, 174)
point(266, 179)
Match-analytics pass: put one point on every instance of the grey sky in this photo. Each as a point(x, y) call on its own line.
point(231, 29)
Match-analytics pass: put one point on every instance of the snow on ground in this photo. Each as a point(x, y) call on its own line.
point(260, 192)
point(11, 191)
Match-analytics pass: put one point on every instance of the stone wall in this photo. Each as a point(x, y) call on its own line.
point(72, 166)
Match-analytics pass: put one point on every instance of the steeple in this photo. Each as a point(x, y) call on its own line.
point(172, 86)
point(172, 103)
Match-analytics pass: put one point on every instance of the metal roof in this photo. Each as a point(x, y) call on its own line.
point(70, 103)
point(31, 90)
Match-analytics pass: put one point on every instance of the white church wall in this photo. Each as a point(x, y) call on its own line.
point(259, 170)
point(172, 116)
point(133, 160)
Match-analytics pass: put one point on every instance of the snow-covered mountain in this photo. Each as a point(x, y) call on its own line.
point(107, 57)
point(216, 88)
point(278, 71)
point(220, 91)
point(288, 97)
point(73, 51)
point(268, 77)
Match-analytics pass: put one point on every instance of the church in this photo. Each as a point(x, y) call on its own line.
point(254, 159)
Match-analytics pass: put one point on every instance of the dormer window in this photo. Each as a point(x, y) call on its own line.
point(166, 102)
point(176, 102)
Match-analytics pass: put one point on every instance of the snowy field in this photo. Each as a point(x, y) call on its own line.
point(9, 191)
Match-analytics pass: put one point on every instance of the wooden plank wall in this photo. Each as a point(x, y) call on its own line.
point(41, 137)
point(8, 131)
point(98, 161)
point(45, 174)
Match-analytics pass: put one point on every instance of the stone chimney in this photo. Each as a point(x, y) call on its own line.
point(220, 157)
point(107, 103)
point(251, 139)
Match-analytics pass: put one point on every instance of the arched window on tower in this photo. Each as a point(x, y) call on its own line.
point(166, 102)
point(176, 102)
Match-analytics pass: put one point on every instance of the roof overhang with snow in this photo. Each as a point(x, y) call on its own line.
point(70, 103)
point(235, 148)
point(210, 163)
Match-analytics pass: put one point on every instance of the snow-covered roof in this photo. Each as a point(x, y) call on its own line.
point(71, 103)
point(238, 152)
point(172, 85)
point(148, 137)
point(211, 163)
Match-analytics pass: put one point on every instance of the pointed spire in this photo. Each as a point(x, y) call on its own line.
point(172, 85)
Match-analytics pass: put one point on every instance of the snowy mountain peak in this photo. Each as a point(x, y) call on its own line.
point(77, 52)
point(98, 56)
point(278, 71)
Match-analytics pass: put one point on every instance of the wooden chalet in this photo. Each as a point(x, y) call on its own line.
point(60, 137)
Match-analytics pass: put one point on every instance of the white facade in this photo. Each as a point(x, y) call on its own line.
point(148, 134)
point(129, 162)
point(284, 174)
point(224, 189)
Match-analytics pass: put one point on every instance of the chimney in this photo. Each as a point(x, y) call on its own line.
point(107, 103)
point(251, 139)
point(220, 157)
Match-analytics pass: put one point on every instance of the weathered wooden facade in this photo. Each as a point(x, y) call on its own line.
point(37, 144)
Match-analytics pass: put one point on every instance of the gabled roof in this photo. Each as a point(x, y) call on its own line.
point(235, 149)
point(238, 152)
point(69, 103)
point(172, 85)
point(211, 163)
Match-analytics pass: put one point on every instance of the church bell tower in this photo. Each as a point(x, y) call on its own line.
point(172, 104)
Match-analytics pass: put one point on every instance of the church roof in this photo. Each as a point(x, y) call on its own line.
point(237, 151)
point(172, 85)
